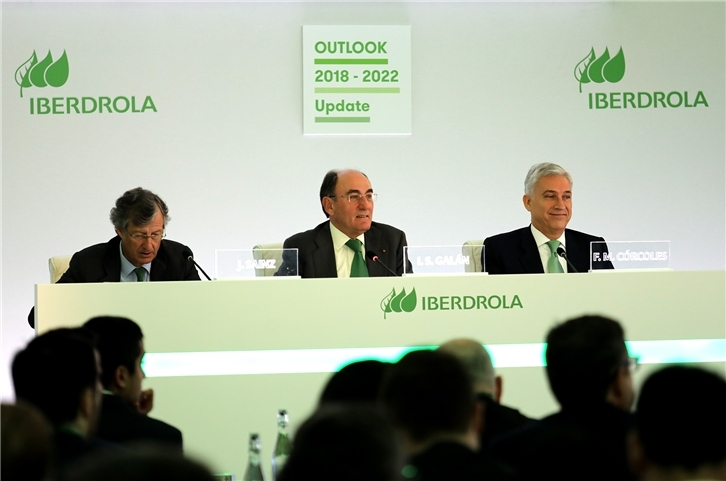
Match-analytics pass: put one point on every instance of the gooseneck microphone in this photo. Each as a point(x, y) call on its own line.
point(374, 257)
point(561, 252)
point(191, 258)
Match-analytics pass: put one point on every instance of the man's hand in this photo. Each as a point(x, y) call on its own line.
point(146, 401)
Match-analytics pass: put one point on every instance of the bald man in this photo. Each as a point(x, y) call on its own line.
point(349, 243)
point(498, 419)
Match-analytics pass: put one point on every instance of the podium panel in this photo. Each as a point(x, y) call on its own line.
point(224, 356)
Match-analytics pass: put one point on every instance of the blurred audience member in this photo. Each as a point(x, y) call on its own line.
point(344, 442)
point(430, 399)
point(59, 373)
point(498, 419)
point(588, 368)
point(356, 382)
point(681, 426)
point(25, 444)
point(150, 465)
point(125, 406)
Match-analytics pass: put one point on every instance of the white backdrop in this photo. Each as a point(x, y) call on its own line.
point(493, 93)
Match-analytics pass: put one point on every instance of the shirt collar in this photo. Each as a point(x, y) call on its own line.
point(127, 267)
point(339, 239)
point(542, 239)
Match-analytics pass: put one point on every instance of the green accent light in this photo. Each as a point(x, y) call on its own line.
point(299, 361)
point(357, 90)
point(328, 120)
point(351, 61)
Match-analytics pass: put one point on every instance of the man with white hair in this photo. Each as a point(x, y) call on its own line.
point(498, 419)
point(546, 246)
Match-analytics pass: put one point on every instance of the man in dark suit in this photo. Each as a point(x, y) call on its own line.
point(680, 437)
point(125, 408)
point(58, 372)
point(546, 245)
point(589, 373)
point(349, 244)
point(430, 400)
point(138, 253)
point(498, 419)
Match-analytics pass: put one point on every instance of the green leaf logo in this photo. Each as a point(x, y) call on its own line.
point(399, 302)
point(600, 69)
point(44, 73)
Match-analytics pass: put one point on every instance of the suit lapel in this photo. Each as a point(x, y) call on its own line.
point(578, 257)
point(158, 265)
point(378, 245)
point(531, 261)
point(324, 254)
point(112, 262)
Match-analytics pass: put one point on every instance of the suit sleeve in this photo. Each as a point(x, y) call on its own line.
point(289, 265)
point(605, 250)
point(190, 270)
point(491, 260)
point(400, 257)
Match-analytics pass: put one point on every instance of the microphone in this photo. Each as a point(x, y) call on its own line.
point(191, 258)
point(561, 252)
point(374, 257)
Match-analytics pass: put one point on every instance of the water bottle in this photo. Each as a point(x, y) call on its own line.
point(283, 445)
point(254, 470)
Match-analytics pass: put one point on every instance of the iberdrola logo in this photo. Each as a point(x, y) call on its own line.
point(600, 69)
point(400, 302)
point(42, 74)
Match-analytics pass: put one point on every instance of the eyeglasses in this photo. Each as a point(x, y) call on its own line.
point(154, 236)
point(355, 197)
point(632, 363)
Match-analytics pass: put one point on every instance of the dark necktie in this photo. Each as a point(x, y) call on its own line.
point(358, 268)
point(140, 274)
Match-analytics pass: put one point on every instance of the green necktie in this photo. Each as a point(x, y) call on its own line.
point(140, 274)
point(358, 268)
point(553, 263)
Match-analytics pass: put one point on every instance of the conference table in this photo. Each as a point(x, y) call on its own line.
point(224, 356)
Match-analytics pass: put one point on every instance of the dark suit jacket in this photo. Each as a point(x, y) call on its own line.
point(102, 263)
point(450, 461)
point(571, 445)
point(499, 420)
point(316, 255)
point(516, 252)
point(121, 424)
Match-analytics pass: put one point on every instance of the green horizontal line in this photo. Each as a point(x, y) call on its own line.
point(324, 120)
point(357, 90)
point(298, 361)
point(351, 61)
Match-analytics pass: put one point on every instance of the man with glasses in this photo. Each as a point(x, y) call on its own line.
point(349, 244)
point(138, 253)
point(590, 374)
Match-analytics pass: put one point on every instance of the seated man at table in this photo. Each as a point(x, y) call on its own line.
point(546, 245)
point(125, 408)
point(349, 244)
point(138, 252)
